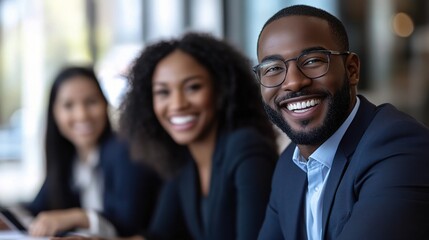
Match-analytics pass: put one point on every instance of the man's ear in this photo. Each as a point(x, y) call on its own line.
point(353, 68)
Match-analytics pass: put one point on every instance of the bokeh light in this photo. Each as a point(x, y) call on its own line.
point(403, 25)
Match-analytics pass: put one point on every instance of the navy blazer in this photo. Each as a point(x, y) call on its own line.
point(378, 186)
point(243, 164)
point(130, 190)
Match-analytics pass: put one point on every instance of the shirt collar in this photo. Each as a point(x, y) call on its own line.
point(83, 170)
point(93, 158)
point(326, 152)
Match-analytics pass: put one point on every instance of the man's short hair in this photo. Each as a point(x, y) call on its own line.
point(335, 24)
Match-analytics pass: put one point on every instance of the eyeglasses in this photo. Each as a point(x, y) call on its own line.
point(313, 64)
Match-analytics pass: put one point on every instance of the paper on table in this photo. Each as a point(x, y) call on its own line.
point(17, 235)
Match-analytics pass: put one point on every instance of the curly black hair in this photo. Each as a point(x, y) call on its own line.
point(239, 101)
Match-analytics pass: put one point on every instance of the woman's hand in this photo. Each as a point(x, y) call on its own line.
point(49, 223)
point(3, 225)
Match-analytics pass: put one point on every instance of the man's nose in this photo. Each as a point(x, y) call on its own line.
point(295, 80)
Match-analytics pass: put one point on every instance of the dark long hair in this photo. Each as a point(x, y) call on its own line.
point(59, 150)
point(239, 102)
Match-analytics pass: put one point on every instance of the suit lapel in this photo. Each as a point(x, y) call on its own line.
point(339, 165)
point(298, 230)
point(344, 153)
point(293, 198)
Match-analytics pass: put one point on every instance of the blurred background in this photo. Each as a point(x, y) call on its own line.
point(38, 37)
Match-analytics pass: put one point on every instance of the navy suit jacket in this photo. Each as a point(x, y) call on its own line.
point(378, 186)
point(243, 164)
point(130, 190)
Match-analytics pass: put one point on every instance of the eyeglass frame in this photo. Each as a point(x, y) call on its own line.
point(285, 61)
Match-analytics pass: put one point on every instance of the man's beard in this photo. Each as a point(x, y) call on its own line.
point(337, 112)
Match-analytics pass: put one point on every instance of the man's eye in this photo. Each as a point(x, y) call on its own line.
point(272, 70)
point(313, 61)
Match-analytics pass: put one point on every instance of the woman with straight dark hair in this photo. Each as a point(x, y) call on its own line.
point(91, 182)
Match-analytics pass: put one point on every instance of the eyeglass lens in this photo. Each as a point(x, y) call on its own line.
point(273, 72)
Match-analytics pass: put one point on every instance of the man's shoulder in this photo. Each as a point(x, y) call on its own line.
point(383, 123)
point(389, 120)
point(392, 134)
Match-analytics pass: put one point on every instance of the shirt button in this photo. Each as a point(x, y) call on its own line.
point(316, 189)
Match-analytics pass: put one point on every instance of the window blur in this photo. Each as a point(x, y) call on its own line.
point(38, 37)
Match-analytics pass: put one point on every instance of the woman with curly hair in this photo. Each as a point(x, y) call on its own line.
point(194, 112)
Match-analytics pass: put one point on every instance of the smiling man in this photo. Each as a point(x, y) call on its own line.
point(354, 170)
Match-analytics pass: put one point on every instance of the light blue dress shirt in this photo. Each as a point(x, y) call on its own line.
point(317, 168)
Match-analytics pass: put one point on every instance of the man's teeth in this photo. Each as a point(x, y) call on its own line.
point(181, 120)
point(302, 105)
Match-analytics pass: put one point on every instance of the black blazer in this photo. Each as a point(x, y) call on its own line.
point(378, 186)
point(243, 163)
point(130, 190)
